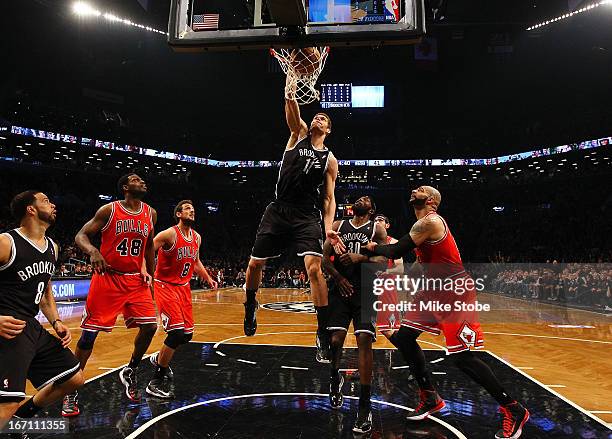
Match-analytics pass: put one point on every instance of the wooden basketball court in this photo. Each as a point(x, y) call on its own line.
point(571, 362)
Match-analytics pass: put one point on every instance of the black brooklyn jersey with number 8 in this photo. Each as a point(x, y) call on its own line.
point(24, 278)
point(302, 174)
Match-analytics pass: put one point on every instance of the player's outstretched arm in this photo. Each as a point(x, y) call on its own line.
point(297, 126)
point(424, 229)
point(88, 231)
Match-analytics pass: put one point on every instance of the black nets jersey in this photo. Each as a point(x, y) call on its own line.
point(354, 238)
point(25, 277)
point(302, 174)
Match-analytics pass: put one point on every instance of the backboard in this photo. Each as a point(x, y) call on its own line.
point(258, 24)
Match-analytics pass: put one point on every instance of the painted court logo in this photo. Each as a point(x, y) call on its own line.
point(303, 307)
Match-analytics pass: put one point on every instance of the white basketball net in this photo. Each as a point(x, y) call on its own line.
point(302, 75)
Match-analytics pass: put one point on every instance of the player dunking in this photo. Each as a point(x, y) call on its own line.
point(178, 256)
point(437, 251)
point(27, 351)
point(348, 301)
point(294, 216)
point(119, 284)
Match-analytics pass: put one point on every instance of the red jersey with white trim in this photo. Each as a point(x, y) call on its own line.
point(441, 257)
point(124, 237)
point(176, 264)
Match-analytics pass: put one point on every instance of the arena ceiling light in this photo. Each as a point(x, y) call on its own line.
point(570, 14)
point(84, 9)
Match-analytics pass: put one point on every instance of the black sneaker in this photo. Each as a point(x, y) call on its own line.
point(160, 389)
point(250, 318)
point(153, 360)
point(70, 405)
point(430, 403)
point(363, 424)
point(514, 418)
point(335, 392)
point(128, 378)
point(322, 342)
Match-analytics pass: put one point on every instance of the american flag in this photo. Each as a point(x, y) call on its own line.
point(205, 22)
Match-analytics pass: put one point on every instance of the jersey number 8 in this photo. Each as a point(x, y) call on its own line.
point(40, 291)
point(186, 268)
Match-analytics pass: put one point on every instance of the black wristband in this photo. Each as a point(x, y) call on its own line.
point(54, 322)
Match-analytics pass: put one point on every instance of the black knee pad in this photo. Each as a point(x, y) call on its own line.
point(187, 337)
point(87, 340)
point(175, 338)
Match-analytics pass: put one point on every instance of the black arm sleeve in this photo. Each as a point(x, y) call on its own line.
point(398, 250)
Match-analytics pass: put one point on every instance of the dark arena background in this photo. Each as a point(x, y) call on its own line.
point(504, 106)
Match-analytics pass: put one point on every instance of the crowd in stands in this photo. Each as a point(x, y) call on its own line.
point(563, 218)
point(587, 285)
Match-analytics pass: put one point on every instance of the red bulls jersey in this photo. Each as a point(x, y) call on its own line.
point(441, 257)
point(176, 264)
point(124, 237)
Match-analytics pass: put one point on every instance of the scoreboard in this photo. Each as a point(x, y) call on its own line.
point(336, 95)
point(346, 95)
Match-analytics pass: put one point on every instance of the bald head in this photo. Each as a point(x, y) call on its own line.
point(434, 194)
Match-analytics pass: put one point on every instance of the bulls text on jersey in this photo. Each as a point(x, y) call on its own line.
point(131, 226)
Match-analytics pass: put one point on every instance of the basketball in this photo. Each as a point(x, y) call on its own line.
point(305, 61)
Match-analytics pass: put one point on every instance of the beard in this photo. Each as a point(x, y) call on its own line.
point(361, 210)
point(47, 218)
point(418, 202)
point(188, 222)
point(138, 194)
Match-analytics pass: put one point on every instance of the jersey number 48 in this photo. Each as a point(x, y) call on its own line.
point(132, 248)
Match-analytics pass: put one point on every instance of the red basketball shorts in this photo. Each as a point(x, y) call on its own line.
point(112, 294)
point(460, 326)
point(387, 320)
point(174, 305)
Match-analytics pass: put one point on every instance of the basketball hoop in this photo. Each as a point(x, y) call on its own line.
point(302, 67)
